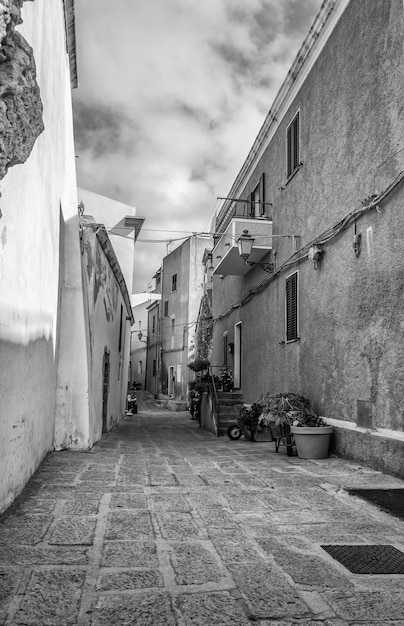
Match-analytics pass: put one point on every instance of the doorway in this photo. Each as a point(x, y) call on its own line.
point(171, 380)
point(237, 354)
point(105, 390)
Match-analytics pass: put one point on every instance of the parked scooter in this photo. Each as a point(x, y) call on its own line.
point(246, 424)
point(132, 403)
point(195, 405)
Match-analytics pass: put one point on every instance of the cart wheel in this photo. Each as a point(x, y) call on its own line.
point(234, 432)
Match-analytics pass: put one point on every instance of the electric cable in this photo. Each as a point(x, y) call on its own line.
point(327, 235)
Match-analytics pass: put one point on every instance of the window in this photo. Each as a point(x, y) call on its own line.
point(292, 307)
point(293, 147)
point(154, 367)
point(165, 308)
point(174, 283)
point(154, 324)
point(140, 367)
point(257, 199)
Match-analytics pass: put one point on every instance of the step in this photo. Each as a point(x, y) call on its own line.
point(230, 394)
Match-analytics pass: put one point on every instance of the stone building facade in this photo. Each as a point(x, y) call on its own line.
point(182, 288)
point(321, 194)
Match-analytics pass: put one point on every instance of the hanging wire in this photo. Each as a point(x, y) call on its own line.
point(327, 235)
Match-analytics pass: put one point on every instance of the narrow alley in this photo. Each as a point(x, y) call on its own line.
point(163, 524)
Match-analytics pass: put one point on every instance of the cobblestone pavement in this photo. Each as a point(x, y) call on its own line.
point(163, 524)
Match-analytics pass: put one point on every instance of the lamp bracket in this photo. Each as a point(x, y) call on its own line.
point(267, 267)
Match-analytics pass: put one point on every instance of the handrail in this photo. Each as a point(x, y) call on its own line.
point(215, 403)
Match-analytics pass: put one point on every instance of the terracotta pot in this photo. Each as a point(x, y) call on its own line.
point(312, 442)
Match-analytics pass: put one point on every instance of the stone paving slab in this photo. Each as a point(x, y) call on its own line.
point(161, 523)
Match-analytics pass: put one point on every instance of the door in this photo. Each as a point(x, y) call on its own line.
point(171, 380)
point(105, 389)
point(237, 354)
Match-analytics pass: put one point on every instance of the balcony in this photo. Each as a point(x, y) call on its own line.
point(226, 258)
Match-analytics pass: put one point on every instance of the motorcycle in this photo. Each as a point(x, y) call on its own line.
point(195, 405)
point(246, 424)
point(132, 403)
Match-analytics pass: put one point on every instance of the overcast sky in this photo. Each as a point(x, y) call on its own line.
point(171, 96)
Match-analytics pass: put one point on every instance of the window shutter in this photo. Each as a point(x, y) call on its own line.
point(291, 307)
point(251, 205)
point(296, 159)
point(289, 149)
point(262, 193)
point(293, 147)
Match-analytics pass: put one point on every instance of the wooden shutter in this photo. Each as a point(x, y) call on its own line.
point(289, 150)
point(293, 147)
point(251, 204)
point(262, 194)
point(296, 158)
point(291, 308)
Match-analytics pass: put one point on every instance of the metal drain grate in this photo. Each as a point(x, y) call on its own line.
point(390, 500)
point(363, 559)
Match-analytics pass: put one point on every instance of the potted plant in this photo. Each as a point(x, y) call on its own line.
point(225, 379)
point(199, 365)
point(290, 414)
point(312, 435)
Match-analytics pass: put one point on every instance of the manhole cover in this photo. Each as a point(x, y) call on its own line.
point(363, 559)
point(390, 500)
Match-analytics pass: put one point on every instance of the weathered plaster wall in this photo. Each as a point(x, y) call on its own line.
point(186, 262)
point(109, 330)
point(37, 198)
point(351, 309)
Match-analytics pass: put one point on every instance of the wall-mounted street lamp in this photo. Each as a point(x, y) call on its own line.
point(245, 245)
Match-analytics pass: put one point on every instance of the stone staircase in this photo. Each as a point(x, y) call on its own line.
point(227, 401)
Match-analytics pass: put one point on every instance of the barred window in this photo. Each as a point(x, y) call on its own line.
point(292, 307)
point(293, 145)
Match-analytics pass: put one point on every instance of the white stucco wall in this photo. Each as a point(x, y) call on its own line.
point(37, 197)
point(110, 212)
point(109, 331)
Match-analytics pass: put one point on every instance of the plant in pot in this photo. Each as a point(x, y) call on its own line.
point(289, 414)
point(225, 379)
point(312, 435)
point(199, 365)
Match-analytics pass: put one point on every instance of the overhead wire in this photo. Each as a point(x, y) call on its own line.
point(327, 235)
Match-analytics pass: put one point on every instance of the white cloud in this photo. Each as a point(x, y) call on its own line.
point(172, 94)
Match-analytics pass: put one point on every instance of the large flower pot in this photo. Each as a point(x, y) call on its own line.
point(312, 442)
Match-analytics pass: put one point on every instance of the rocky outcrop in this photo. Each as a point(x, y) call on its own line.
point(20, 100)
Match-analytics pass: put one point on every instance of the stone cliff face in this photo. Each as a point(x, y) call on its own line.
point(20, 100)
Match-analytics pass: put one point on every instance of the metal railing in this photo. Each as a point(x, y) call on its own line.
point(215, 400)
